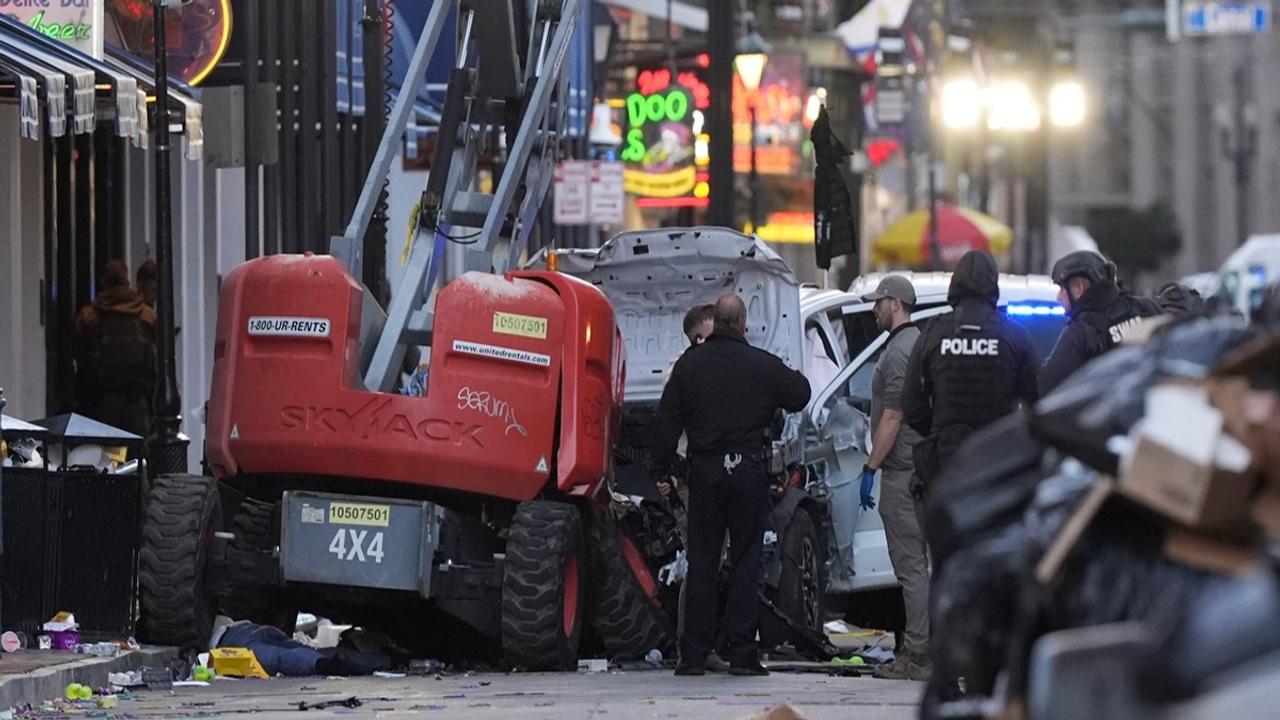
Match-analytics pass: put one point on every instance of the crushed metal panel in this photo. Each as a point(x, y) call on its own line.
point(653, 277)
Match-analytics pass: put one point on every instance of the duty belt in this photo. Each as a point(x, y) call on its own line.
point(733, 458)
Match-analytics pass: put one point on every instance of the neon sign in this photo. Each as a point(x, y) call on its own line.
point(660, 142)
point(656, 108)
point(78, 23)
point(61, 31)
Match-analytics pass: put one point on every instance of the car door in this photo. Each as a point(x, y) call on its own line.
point(837, 441)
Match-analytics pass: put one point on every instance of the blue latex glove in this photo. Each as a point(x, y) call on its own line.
point(868, 484)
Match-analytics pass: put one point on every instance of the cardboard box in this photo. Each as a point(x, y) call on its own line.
point(1266, 512)
point(1252, 417)
point(1209, 553)
point(1183, 466)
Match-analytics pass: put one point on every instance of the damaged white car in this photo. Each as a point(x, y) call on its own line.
point(822, 550)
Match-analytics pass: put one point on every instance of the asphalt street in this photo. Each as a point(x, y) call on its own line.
point(630, 694)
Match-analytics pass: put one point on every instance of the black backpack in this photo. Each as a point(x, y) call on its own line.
point(122, 354)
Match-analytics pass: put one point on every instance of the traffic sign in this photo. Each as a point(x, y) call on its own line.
point(1226, 18)
point(572, 192)
point(607, 195)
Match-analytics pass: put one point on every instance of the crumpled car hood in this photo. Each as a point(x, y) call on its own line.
point(653, 277)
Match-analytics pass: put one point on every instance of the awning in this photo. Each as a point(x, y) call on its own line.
point(30, 56)
point(181, 97)
point(685, 15)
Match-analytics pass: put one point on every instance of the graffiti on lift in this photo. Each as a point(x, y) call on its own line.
point(486, 404)
point(370, 420)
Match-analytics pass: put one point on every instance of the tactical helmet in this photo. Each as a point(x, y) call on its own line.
point(1083, 263)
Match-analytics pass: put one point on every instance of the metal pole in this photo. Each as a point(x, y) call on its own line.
point(169, 452)
point(720, 36)
point(909, 145)
point(1241, 151)
point(249, 26)
point(755, 176)
point(374, 239)
point(935, 249)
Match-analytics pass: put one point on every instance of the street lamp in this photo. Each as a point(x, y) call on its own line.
point(1067, 104)
point(751, 70)
point(169, 449)
point(1012, 107)
point(961, 104)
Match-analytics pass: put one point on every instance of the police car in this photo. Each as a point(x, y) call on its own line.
point(837, 422)
point(1245, 275)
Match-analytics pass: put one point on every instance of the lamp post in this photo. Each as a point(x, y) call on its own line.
point(169, 448)
point(751, 70)
point(1014, 108)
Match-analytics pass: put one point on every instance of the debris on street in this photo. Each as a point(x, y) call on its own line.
point(1140, 489)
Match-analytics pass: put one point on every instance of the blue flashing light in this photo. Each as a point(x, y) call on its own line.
point(1035, 310)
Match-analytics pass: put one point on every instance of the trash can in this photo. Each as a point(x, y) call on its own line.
point(71, 530)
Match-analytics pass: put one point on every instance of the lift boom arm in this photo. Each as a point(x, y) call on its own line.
point(492, 90)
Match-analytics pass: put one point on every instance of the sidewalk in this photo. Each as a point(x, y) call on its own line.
point(32, 676)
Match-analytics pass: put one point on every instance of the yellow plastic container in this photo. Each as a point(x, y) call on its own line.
point(236, 662)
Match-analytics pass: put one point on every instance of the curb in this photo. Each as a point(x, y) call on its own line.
point(50, 682)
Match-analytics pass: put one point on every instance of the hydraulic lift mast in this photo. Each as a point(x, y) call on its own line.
point(492, 91)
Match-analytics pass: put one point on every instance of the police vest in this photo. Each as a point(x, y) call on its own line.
point(974, 373)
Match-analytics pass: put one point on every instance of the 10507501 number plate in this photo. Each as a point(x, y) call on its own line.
point(343, 513)
point(358, 542)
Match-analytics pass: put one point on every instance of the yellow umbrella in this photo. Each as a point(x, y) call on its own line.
point(905, 243)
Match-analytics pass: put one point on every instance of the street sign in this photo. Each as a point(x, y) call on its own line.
point(1226, 18)
point(572, 192)
point(891, 101)
point(607, 195)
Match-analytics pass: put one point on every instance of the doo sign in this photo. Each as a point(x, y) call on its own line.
point(1226, 18)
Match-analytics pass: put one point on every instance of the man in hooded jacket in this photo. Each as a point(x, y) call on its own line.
point(969, 368)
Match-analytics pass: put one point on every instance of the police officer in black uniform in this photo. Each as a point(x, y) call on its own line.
point(723, 394)
point(969, 368)
point(1098, 313)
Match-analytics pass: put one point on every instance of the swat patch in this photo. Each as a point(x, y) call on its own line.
point(1117, 331)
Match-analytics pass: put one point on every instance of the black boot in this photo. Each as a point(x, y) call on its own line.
point(748, 665)
point(691, 667)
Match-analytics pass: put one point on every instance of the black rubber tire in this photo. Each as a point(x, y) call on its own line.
point(263, 605)
point(183, 512)
point(801, 584)
point(545, 541)
point(628, 621)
